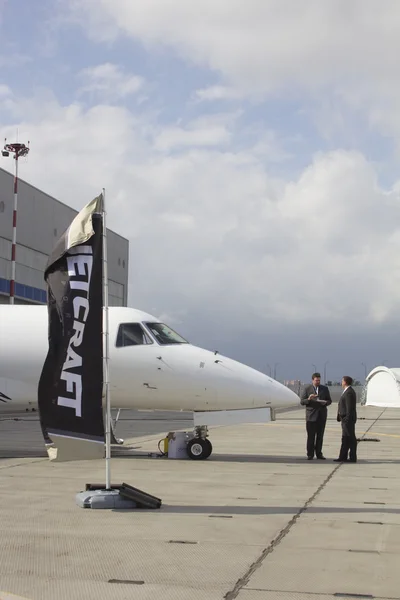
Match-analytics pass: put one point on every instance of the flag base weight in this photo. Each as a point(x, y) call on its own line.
point(103, 499)
point(120, 496)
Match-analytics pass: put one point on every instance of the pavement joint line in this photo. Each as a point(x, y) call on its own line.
point(30, 462)
point(231, 595)
point(243, 581)
point(325, 594)
point(373, 423)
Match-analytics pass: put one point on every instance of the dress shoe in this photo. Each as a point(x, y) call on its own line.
point(340, 460)
point(310, 457)
point(321, 457)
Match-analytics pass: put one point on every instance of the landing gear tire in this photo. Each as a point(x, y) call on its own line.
point(209, 448)
point(199, 449)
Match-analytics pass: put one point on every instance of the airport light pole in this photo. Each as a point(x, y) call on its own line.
point(270, 370)
point(18, 150)
point(314, 367)
point(326, 363)
point(365, 369)
point(275, 365)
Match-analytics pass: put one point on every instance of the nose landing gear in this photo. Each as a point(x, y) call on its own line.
point(199, 448)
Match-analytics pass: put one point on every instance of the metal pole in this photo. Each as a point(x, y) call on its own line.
point(325, 371)
point(106, 348)
point(14, 233)
point(365, 369)
point(18, 150)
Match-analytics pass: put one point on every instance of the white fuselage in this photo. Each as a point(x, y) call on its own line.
point(166, 376)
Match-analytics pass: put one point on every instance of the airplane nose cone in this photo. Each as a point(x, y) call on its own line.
point(244, 386)
point(285, 396)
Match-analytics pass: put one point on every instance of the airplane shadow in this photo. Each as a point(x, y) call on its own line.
point(291, 460)
point(8, 453)
point(135, 452)
point(129, 452)
point(230, 511)
point(240, 458)
point(259, 458)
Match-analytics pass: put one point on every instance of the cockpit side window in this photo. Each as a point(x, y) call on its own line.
point(132, 334)
point(164, 334)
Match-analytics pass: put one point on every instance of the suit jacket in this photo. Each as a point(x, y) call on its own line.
point(347, 411)
point(314, 409)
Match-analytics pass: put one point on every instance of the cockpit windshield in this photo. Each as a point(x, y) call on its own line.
point(164, 334)
point(132, 334)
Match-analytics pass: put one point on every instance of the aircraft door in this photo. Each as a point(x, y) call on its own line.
point(135, 367)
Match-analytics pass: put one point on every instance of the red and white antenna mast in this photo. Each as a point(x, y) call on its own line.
point(18, 150)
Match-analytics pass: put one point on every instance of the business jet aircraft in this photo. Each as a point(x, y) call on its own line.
point(151, 367)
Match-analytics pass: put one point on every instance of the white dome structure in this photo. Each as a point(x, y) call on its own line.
point(382, 388)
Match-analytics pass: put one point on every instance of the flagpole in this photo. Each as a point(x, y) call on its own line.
point(106, 373)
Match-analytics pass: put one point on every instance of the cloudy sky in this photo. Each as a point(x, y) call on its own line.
point(250, 153)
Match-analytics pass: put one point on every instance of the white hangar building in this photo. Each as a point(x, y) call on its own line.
point(382, 388)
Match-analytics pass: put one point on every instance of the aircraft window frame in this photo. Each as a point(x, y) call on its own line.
point(118, 341)
point(151, 324)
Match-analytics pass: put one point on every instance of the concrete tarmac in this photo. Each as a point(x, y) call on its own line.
point(256, 521)
point(21, 436)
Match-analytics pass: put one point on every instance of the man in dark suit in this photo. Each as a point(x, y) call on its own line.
point(347, 416)
point(315, 398)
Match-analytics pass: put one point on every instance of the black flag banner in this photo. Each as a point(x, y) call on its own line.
point(71, 384)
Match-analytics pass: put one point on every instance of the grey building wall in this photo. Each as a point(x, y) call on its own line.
point(41, 219)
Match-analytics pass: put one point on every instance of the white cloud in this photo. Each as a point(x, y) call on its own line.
point(236, 218)
point(202, 132)
point(212, 232)
point(109, 81)
point(173, 137)
point(309, 51)
point(4, 90)
point(265, 44)
point(179, 220)
point(218, 92)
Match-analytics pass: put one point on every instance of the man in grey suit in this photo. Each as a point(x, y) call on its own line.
point(347, 416)
point(315, 398)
